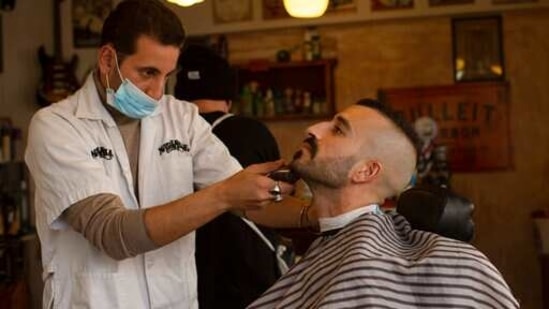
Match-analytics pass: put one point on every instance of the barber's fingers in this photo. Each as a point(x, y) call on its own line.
point(265, 168)
point(251, 189)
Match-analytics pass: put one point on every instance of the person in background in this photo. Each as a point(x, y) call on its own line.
point(236, 260)
point(124, 174)
point(365, 257)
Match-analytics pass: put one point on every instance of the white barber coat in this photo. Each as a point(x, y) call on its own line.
point(75, 150)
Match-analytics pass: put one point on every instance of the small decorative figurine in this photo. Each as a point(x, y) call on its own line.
point(432, 165)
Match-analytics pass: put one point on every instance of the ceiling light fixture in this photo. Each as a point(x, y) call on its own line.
point(185, 3)
point(306, 8)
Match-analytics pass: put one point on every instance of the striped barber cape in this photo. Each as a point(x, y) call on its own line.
point(378, 261)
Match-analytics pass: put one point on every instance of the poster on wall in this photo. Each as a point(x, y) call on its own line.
point(87, 20)
point(472, 121)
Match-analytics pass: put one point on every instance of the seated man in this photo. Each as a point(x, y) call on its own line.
point(366, 257)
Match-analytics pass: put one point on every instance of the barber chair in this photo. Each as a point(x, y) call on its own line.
point(439, 210)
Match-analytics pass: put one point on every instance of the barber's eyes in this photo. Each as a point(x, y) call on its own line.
point(149, 73)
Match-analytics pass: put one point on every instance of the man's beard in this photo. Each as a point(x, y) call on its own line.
point(331, 173)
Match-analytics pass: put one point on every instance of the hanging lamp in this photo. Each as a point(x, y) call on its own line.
point(306, 8)
point(185, 3)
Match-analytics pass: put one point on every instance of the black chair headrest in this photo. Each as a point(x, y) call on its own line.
point(438, 210)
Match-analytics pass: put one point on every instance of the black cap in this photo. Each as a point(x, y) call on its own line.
point(204, 75)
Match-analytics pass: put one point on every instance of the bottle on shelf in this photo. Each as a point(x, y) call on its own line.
point(257, 104)
point(308, 45)
point(269, 103)
point(6, 143)
point(307, 108)
point(246, 99)
point(311, 45)
point(288, 105)
point(24, 208)
point(316, 48)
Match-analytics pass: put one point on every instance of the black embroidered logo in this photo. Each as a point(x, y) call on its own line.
point(173, 145)
point(102, 152)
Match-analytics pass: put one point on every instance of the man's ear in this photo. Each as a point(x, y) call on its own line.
point(105, 60)
point(365, 171)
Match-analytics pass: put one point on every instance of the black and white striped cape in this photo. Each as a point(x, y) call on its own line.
point(378, 261)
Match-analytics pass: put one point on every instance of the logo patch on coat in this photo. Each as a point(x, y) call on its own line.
point(102, 152)
point(173, 145)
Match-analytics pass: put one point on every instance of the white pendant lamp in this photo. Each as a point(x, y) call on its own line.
point(306, 8)
point(185, 3)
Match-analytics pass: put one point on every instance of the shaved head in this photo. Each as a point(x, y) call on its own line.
point(393, 142)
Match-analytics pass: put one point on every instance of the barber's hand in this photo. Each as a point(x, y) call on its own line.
point(251, 188)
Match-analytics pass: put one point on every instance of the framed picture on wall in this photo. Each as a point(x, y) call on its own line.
point(1, 47)
point(273, 9)
point(228, 11)
point(477, 49)
point(512, 1)
point(449, 2)
point(386, 5)
point(87, 21)
point(341, 6)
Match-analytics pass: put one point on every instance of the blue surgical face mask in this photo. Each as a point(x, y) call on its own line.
point(129, 99)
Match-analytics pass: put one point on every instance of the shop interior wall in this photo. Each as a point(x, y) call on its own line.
point(371, 55)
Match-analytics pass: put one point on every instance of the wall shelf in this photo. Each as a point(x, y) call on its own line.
point(297, 90)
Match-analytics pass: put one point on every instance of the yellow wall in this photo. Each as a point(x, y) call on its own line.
point(418, 52)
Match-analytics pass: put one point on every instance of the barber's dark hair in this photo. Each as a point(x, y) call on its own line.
point(396, 118)
point(132, 18)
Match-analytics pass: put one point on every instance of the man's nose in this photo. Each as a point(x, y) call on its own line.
point(317, 130)
point(156, 88)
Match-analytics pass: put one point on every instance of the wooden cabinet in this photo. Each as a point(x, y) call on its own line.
point(286, 91)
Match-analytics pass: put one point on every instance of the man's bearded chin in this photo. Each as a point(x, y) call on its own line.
point(325, 173)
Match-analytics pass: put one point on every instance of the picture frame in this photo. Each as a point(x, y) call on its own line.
point(230, 11)
point(439, 3)
point(273, 9)
point(87, 21)
point(1, 46)
point(496, 2)
point(477, 49)
point(389, 5)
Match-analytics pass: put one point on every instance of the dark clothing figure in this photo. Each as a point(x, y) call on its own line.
point(247, 139)
point(236, 260)
point(234, 265)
